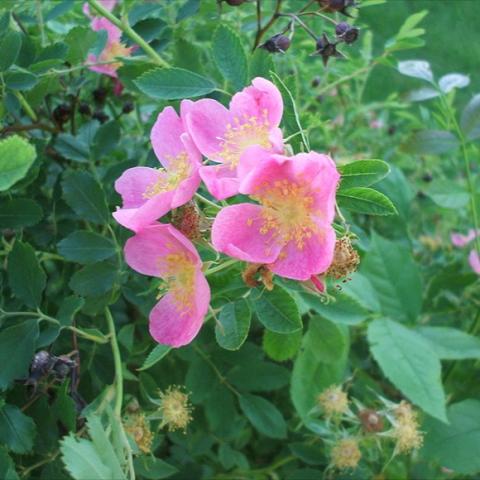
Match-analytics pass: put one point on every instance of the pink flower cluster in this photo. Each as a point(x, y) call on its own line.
point(460, 241)
point(286, 225)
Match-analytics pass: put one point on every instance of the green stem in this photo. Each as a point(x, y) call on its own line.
point(117, 362)
point(220, 267)
point(40, 22)
point(208, 202)
point(128, 30)
point(26, 106)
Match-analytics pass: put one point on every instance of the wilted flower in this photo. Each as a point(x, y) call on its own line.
point(346, 454)
point(371, 420)
point(187, 219)
point(160, 250)
point(223, 134)
point(333, 401)
point(290, 230)
point(345, 259)
point(150, 193)
point(175, 409)
point(138, 427)
point(405, 430)
point(249, 276)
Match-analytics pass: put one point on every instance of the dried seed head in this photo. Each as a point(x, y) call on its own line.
point(337, 6)
point(346, 32)
point(406, 430)
point(371, 421)
point(175, 409)
point(138, 427)
point(346, 454)
point(333, 401)
point(187, 220)
point(345, 259)
point(253, 270)
point(279, 43)
point(326, 49)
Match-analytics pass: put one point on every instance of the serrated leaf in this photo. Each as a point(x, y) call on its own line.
point(16, 157)
point(25, 276)
point(85, 196)
point(7, 467)
point(410, 363)
point(470, 120)
point(431, 142)
point(277, 310)
point(86, 247)
point(17, 344)
point(456, 445)
point(233, 325)
point(153, 468)
point(79, 40)
point(17, 431)
point(448, 194)
point(10, 45)
point(158, 352)
point(281, 347)
point(73, 148)
point(395, 278)
point(94, 280)
point(173, 84)
point(416, 68)
point(362, 173)
point(68, 309)
point(450, 343)
point(20, 213)
point(365, 200)
point(268, 376)
point(230, 56)
point(263, 415)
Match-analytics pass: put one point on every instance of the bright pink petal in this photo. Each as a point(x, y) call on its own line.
point(474, 260)
point(165, 136)
point(186, 190)
point(313, 258)
point(144, 251)
point(172, 326)
point(459, 240)
point(260, 99)
point(207, 121)
point(134, 182)
point(250, 159)
point(113, 32)
point(220, 180)
point(236, 231)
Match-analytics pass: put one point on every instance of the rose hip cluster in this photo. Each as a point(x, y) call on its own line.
point(285, 226)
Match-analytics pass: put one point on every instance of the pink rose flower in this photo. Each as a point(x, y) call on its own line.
point(108, 4)
point(160, 250)
point(223, 134)
point(474, 261)
point(150, 193)
point(290, 228)
point(459, 240)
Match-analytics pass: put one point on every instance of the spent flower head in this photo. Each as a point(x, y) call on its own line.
point(345, 259)
point(406, 431)
point(345, 454)
point(175, 408)
point(333, 401)
point(138, 427)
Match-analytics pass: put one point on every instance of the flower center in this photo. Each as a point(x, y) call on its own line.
point(179, 169)
point(287, 211)
point(243, 134)
point(180, 279)
point(112, 50)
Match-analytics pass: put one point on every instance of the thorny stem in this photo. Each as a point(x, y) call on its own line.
point(117, 360)
point(128, 30)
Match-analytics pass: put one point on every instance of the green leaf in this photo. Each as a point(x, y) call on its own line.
point(20, 79)
point(447, 194)
point(17, 431)
point(173, 84)
point(310, 376)
point(19, 213)
point(365, 200)
point(73, 148)
point(450, 343)
point(395, 277)
point(277, 310)
point(281, 346)
point(261, 64)
point(233, 325)
point(431, 142)
point(329, 340)
point(470, 120)
point(410, 363)
point(153, 468)
point(25, 276)
point(7, 467)
point(456, 445)
point(341, 309)
point(85, 196)
point(16, 157)
point(106, 139)
point(410, 23)
point(230, 56)
point(79, 41)
point(416, 68)
point(94, 280)
point(362, 173)
point(69, 307)
point(10, 45)
point(17, 347)
point(86, 247)
point(158, 352)
point(268, 376)
point(264, 416)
